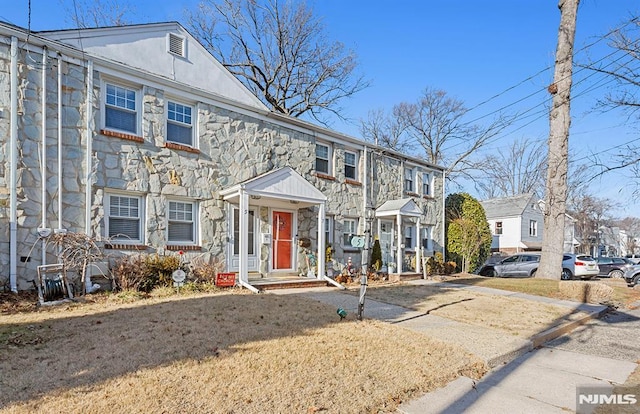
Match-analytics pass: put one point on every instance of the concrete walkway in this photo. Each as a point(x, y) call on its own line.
point(544, 380)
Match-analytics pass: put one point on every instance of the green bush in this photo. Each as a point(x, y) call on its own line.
point(376, 256)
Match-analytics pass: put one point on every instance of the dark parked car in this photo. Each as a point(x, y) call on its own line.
point(518, 265)
point(632, 276)
point(613, 266)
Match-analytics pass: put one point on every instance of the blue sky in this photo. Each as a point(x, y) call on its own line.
point(473, 50)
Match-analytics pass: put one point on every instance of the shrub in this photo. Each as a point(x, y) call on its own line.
point(376, 256)
point(144, 272)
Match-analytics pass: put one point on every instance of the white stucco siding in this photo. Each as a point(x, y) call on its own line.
point(146, 48)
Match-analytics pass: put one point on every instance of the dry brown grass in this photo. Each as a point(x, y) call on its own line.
point(622, 296)
point(587, 292)
point(219, 353)
point(518, 317)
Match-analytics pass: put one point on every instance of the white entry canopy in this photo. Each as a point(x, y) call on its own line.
point(402, 206)
point(284, 184)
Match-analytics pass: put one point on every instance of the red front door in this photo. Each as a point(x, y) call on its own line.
point(282, 240)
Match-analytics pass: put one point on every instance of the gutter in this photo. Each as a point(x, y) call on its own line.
point(43, 157)
point(13, 170)
point(89, 287)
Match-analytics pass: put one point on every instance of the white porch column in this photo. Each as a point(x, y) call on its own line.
point(418, 248)
point(244, 239)
point(321, 241)
point(399, 257)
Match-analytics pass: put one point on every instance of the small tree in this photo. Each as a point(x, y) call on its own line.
point(467, 231)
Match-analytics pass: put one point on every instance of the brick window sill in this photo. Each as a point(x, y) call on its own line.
point(325, 176)
point(181, 147)
point(128, 137)
point(124, 246)
point(183, 247)
point(411, 194)
point(352, 182)
point(428, 197)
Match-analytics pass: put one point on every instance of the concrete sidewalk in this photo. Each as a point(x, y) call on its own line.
point(520, 380)
point(494, 346)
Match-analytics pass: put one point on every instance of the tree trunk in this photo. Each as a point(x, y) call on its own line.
point(559, 122)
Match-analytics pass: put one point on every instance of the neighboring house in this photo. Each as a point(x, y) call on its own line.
point(516, 223)
point(138, 137)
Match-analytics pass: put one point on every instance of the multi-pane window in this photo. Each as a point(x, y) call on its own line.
point(426, 184)
point(323, 157)
point(328, 230)
point(408, 237)
point(124, 220)
point(348, 231)
point(426, 238)
point(121, 109)
point(408, 180)
point(350, 160)
point(251, 232)
point(181, 223)
point(533, 228)
point(179, 123)
point(498, 229)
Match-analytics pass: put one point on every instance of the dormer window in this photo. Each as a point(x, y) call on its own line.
point(176, 44)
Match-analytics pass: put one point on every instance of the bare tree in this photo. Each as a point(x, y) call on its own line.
point(516, 169)
point(591, 213)
point(434, 128)
point(100, 13)
point(279, 50)
point(558, 162)
point(386, 130)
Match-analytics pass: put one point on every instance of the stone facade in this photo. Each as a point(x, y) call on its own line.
point(231, 147)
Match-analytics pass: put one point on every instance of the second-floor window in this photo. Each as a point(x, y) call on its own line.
point(426, 184)
point(408, 180)
point(350, 160)
point(182, 222)
point(533, 228)
point(498, 229)
point(179, 123)
point(124, 218)
point(121, 109)
point(323, 159)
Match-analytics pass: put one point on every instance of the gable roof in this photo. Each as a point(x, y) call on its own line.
point(146, 47)
point(402, 206)
point(284, 184)
point(503, 207)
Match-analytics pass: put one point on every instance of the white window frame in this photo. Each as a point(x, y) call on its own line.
point(328, 229)
point(108, 217)
point(349, 229)
point(426, 184)
point(409, 233)
point(193, 221)
point(354, 165)
point(329, 158)
point(409, 178)
point(137, 104)
point(533, 228)
point(173, 38)
point(252, 221)
point(427, 235)
point(191, 125)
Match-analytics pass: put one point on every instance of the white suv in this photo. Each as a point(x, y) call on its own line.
point(579, 266)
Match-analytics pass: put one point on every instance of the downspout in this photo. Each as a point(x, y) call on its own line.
point(59, 143)
point(43, 156)
point(444, 258)
point(89, 287)
point(248, 286)
point(13, 170)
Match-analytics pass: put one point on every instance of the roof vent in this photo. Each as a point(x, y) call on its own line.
point(176, 44)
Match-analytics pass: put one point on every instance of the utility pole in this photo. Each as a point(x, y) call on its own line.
point(559, 123)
